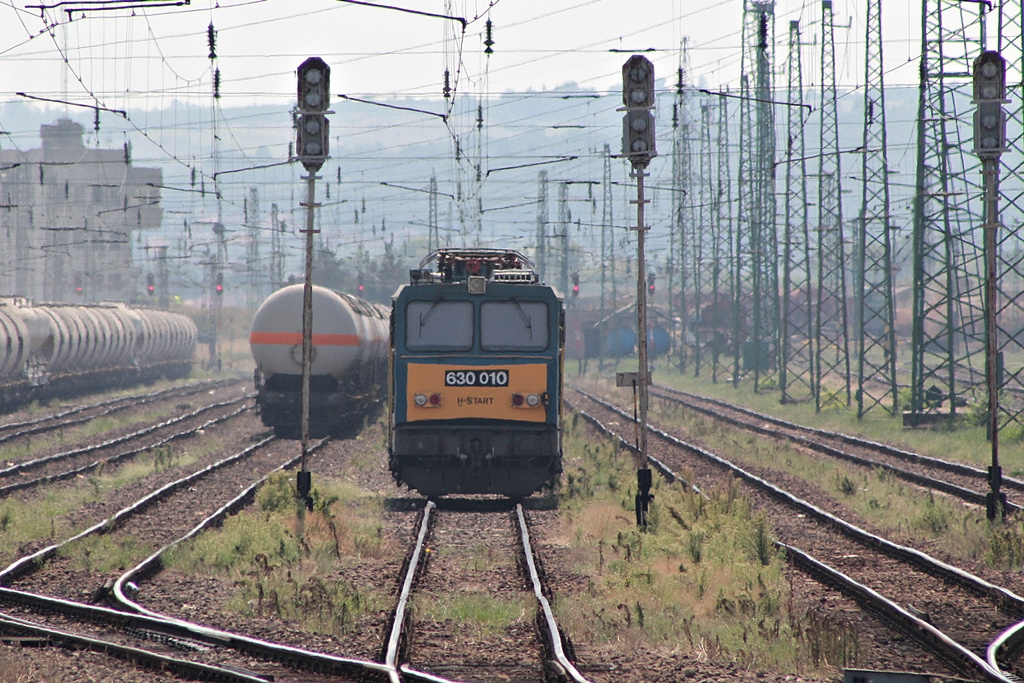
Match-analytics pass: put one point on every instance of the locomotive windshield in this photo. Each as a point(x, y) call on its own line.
point(441, 324)
point(514, 325)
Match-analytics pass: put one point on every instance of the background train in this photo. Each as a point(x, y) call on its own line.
point(65, 349)
point(476, 376)
point(350, 341)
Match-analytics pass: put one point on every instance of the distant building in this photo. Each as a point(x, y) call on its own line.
point(67, 217)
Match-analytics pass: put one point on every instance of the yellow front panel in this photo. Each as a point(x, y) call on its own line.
point(476, 401)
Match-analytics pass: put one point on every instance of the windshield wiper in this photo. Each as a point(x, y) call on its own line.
point(526, 318)
point(425, 316)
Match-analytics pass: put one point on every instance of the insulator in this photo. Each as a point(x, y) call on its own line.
point(679, 81)
point(489, 40)
point(447, 90)
point(339, 175)
point(675, 115)
point(216, 84)
point(96, 120)
point(479, 116)
point(127, 154)
point(211, 40)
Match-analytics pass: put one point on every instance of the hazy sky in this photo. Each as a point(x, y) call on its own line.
point(146, 58)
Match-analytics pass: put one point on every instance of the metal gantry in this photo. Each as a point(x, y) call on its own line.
point(873, 264)
point(1010, 242)
point(726, 257)
point(832, 351)
point(796, 380)
point(948, 321)
point(705, 244)
point(755, 313)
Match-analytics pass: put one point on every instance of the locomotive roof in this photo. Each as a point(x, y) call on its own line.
point(458, 265)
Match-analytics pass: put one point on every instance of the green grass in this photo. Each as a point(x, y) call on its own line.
point(476, 613)
point(44, 519)
point(903, 511)
point(704, 577)
point(289, 564)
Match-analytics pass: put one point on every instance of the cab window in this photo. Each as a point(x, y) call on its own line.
point(514, 325)
point(439, 325)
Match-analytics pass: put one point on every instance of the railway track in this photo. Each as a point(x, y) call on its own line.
point(80, 414)
point(47, 597)
point(966, 482)
point(81, 460)
point(438, 574)
point(952, 614)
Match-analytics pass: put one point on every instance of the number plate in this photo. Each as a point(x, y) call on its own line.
point(476, 378)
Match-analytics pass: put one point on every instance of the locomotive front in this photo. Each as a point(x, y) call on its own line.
point(476, 376)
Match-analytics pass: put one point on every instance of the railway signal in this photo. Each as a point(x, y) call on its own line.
point(150, 284)
point(575, 285)
point(314, 93)
point(651, 277)
point(989, 144)
point(638, 146)
point(638, 138)
point(989, 95)
point(219, 286)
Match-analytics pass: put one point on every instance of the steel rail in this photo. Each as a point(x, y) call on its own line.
point(401, 613)
point(144, 657)
point(554, 634)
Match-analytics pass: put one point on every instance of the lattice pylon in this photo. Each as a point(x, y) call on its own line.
point(873, 271)
point(948, 314)
point(705, 244)
point(722, 220)
point(796, 378)
point(1010, 239)
point(832, 346)
point(755, 269)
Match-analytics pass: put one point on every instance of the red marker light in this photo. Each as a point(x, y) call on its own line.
point(360, 288)
point(517, 400)
point(435, 399)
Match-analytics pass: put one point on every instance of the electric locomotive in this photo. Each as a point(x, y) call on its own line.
point(475, 376)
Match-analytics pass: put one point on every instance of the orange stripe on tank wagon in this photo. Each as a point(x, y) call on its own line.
point(293, 338)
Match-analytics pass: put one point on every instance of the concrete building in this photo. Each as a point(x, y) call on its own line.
point(67, 217)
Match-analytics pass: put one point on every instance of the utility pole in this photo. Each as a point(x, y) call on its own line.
point(312, 149)
point(162, 277)
point(542, 225)
point(638, 146)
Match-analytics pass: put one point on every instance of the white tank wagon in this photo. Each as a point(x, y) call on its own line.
point(48, 350)
point(350, 347)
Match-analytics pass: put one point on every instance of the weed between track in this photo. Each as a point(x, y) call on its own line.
point(287, 563)
point(704, 577)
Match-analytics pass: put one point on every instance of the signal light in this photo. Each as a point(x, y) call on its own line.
point(651, 278)
point(989, 95)
point(360, 288)
point(150, 285)
point(575, 284)
point(575, 290)
point(219, 287)
point(314, 94)
point(638, 139)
